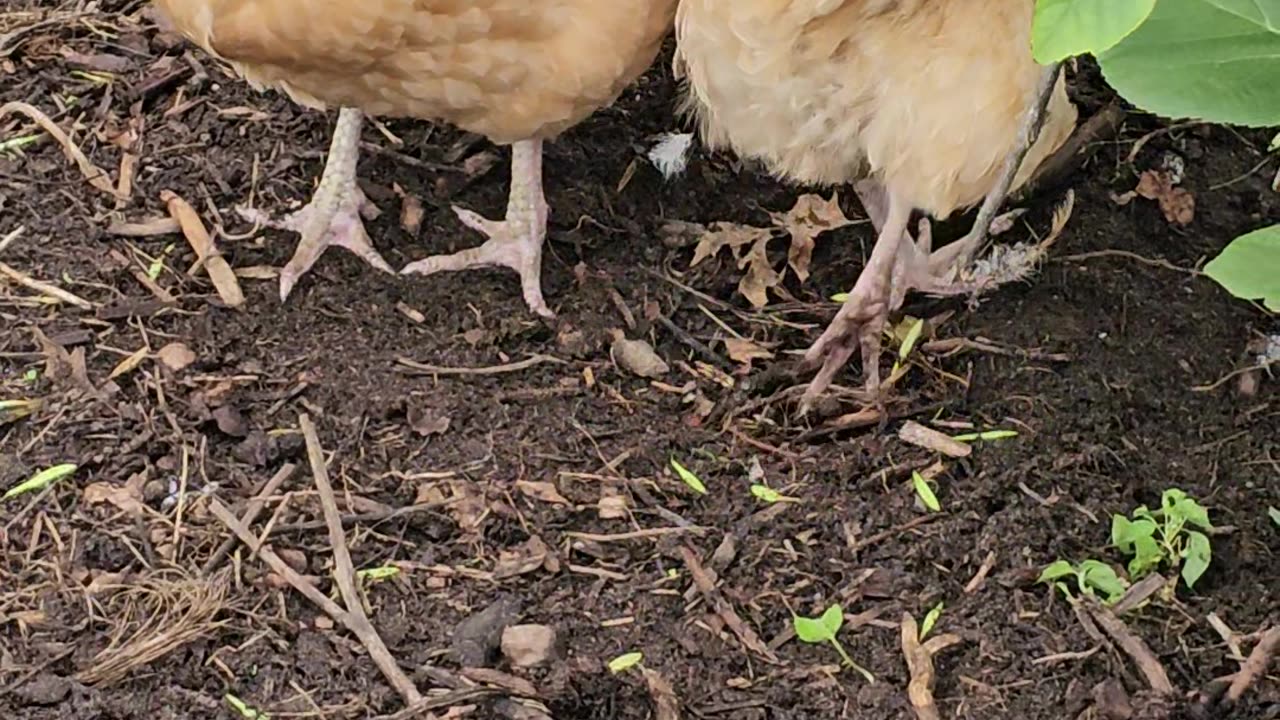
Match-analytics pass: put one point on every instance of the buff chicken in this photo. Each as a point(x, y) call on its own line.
point(516, 71)
point(926, 105)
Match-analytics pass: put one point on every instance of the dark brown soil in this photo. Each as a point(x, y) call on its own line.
point(1102, 431)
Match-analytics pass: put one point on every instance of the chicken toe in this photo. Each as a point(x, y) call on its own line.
point(336, 213)
point(514, 242)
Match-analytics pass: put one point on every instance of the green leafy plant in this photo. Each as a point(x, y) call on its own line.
point(764, 493)
point(688, 477)
point(823, 629)
point(925, 492)
point(625, 662)
point(1212, 60)
point(1093, 577)
point(246, 711)
point(40, 480)
point(930, 620)
point(1164, 536)
point(986, 436)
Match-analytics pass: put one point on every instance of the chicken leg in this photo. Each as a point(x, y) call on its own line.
point(334, 215)
point(898, 264)
point(514, 242)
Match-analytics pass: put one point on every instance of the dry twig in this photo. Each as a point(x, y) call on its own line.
point(425, 369)
point(1254, 666)
point(353, 616)
point(250, 514)
point(96, 176)
point(1133, 645)
point(722, 607)
point(220, 273)
point(52, 291)
point(919, 658)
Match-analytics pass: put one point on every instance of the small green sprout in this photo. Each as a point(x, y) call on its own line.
point(31, 376)
point(378, 573)
point(157, 265)
point(673, 573)
point(688, 477)
point(11, 410)
point(769, 495)
point(625, 662)
point(1093, 577)
point(15, 145)
point(930, 619)
point(40, 480)
point(246, 711)
point(840, 298)
point(925, 492)
point(1153, 537)
point(908, 343)
point(1275, 515)
point(986, 435)
point(823, 629)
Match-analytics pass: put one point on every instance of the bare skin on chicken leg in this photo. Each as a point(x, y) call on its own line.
point(514, 242)
point(899, 264)
point(336, 213)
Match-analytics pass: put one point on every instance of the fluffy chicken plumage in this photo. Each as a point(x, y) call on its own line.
point(919, 101)
point(516, 71)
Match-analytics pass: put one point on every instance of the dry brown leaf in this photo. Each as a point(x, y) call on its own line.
point(744, 351)
point(127, 497)
point(805, 221)
point(468, 506)
point(175, 356)
point(544, 491)
point(411, 212)
point(1176, 203)
point(637, 356)
point(612, 504)
point(523, 558)
point(128, 364)
point(427, 422)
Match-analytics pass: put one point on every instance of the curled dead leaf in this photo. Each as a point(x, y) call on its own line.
point(1176, 203)
point(544, 491)
point(175, 356)
point(744, 351)
point(523, 558)
point(637, 356)
point(127, 497)
point(805, 221)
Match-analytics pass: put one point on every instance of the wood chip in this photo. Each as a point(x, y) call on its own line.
point(220, 273)
point(916, 434)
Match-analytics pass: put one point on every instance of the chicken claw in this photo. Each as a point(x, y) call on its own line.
point(336, 213)
point(514, 242)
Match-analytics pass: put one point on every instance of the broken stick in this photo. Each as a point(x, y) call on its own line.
point(722, 607)
point(919, 658)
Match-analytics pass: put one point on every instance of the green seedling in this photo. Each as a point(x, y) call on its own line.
point(31, 376)
point(1153, 537)
point(840, 298)
point(986, 436)
point(1093, 577)
point(930, 619)
point(823, 629)
point(908, 343)
point(625, 662)
point(40, 480)
point(11, 410)
point(157, 265)
point(15, 145)
point(688, 477)
point(1275, 515)
point(771, 496)
point(246, 711)
point(925, 492)
point(378, 573)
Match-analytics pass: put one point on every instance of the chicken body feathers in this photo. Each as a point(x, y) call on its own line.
point(924, 95)
point(508, 69)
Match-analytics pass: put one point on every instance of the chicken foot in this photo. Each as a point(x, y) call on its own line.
point(514, 242)
point(336, 213)
point(899, 264)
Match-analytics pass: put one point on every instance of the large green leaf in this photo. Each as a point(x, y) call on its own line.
point(1065, 28)
point(1249, 267)
point(1214, 60)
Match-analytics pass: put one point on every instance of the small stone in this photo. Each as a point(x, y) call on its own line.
point(44, 689)
point(528, 645)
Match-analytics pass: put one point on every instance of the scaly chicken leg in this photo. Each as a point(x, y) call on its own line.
point(514, 242)
point(334, 215)
point(897, 264)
